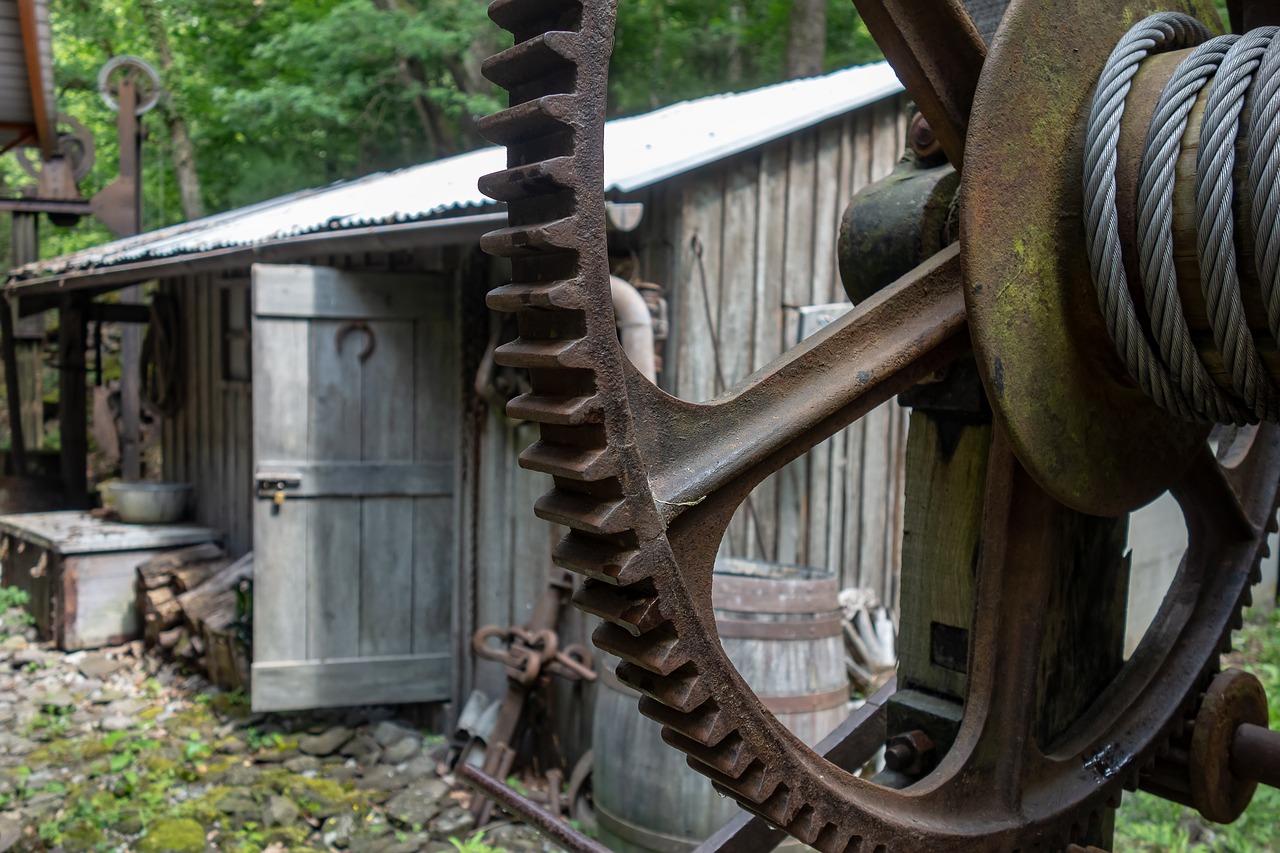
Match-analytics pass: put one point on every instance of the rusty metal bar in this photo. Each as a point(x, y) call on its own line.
point(938, 54)
point(911, 328)
point(530, 812)
point(44, 205)
point(1255, 754)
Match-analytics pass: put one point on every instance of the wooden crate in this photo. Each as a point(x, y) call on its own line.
point(79, 571)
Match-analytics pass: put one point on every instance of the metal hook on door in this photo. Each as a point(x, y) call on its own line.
point(370, 344)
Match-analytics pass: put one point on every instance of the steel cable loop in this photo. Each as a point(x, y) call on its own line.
point(1264, 181)
point(1155, 233)
point(1159, 33)
point(1215, 221)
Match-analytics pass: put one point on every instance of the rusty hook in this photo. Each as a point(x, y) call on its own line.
point(371, 341)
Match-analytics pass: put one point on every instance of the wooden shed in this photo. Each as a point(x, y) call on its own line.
point(336, 414)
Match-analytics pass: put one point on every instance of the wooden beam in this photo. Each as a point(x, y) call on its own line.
point(45, 131)
point(72, 400)
point(106, 312)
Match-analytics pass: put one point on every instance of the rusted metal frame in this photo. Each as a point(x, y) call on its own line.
point(27, 20)
point(910, 329)
point(44, 205)
point(852, 744)
point(530, 812)
point(937, 52)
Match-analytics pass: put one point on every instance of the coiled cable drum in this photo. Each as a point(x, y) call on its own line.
point(1165, 361)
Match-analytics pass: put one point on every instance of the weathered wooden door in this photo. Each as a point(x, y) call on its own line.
point(355, 407)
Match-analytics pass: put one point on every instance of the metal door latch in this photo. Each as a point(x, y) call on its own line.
point(276, 487)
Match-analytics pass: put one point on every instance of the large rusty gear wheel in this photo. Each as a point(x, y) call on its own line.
point(647, 483)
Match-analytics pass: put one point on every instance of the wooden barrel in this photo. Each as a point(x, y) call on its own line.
point(781, 628)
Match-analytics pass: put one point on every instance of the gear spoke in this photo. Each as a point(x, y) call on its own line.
point(938, 54)
point(1209, 500)
point(907, 331)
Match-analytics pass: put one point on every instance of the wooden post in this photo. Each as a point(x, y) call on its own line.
point(72, 403)
point(1083, 644)
point(28, 337)
point(130, 390)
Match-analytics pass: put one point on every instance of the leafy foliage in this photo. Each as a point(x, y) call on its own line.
point(280, 95)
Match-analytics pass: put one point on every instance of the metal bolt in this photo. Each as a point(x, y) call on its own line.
point(922, 139)
point(909, 753)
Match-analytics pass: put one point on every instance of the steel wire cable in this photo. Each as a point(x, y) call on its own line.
point(1155, 232)
point(1175, 374)
point(1264, 182)
point(1215, 219)
point(1159, 33)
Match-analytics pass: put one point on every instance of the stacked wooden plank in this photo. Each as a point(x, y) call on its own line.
point(190, 604)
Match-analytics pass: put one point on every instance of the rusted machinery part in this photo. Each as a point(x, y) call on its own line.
point(647, 485)
point(1084, 430)
point(1234, 699)
point(546, 822)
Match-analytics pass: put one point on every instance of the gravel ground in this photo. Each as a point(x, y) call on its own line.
point(109, 750)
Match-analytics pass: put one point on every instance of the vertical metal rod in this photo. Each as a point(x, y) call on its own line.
point(530, 812)
point(131, 334)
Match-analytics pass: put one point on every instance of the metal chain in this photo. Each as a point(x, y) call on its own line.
point(1177, 378)
point(1159, 33)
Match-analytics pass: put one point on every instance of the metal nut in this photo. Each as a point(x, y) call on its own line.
point(909, 753)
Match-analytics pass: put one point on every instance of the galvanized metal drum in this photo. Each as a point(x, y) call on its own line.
point(780, 626)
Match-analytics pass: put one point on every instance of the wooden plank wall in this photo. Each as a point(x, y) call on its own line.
point(210, 441)
point(766, 224)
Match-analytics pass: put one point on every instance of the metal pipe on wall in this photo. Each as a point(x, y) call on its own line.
point(635, 324)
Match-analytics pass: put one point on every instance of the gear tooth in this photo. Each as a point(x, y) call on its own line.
point(539, 238)
point(707, 724)
point(730, 759)
point(536, 354)
point(658, 651)
point(558, 294)
point(545, 61)
point(781, 807)
point(595, 558)
point(636, 610)
point(537, 119)
point(531, 16)
point(560, 410)
point(543, 177)
point(805, 825)
point(569, 462)
point(585, 512)
point(682, 691)
point(832, 837)
point(753, 785)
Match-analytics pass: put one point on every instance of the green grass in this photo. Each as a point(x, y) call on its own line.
point(1148, 824)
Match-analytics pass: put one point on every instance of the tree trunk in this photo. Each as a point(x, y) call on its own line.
point(807, 40)
point(184, 167)
point(183, 151)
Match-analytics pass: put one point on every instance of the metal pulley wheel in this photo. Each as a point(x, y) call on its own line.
point(647, 483)
point(75, 144)
point(144, 75)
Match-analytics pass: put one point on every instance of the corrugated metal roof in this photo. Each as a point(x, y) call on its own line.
point(639, 151)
